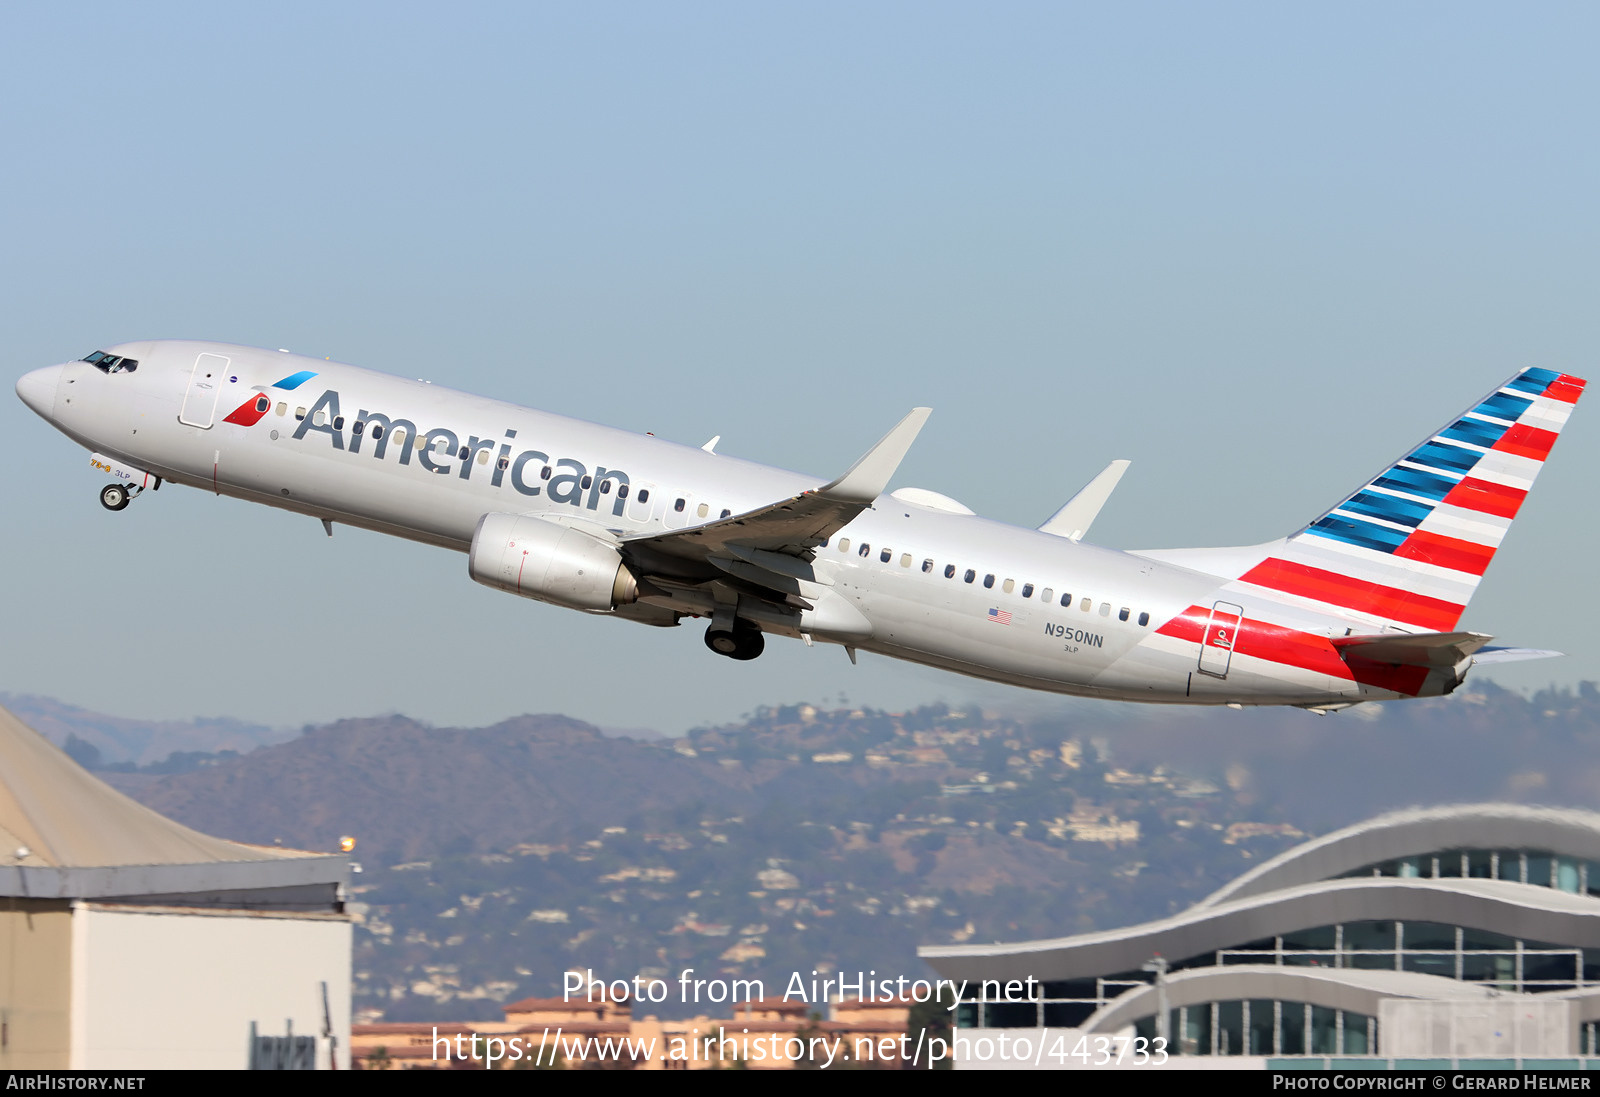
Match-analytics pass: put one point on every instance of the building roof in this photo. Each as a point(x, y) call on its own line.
point(1414, 831)
point(66, 833)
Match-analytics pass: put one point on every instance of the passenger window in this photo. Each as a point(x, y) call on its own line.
point(905, 559)
point(262, 404)
point(844, 544)
point(644, 495)
point(358, 426)
point(505, 462)
point(586, 482)
point(971, 575)
point(283, 408)
point(1122, 614)
point(1046, 595)
point(726, 512)
point(338, 422)
point(885, 556)
point(678, 506)
point(422, 441)
point(1144, 619)
point(825, 541)
point(320, 418)
point(1027, 590)
point(864, 549)
point(949, 571)
point(483, 457)
point(544, 473)
point(605, 486)
point(622, 491)
point(988, 581)
point(1009, 585)
point(299, 413)
point(1105, 609)
point(702, 510)
point(377, 432)
point(461, 454)
point(1086, 605)
point(927, 565)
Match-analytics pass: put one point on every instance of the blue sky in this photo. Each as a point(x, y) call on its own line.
point(1256, 248)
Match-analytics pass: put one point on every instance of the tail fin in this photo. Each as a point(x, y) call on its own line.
point(1409, 547)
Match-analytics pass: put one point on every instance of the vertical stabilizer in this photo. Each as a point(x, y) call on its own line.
point(1409, 547)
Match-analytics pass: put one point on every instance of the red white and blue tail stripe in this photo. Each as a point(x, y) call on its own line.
point(1407, 549)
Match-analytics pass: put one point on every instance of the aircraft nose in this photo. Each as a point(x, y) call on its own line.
point(38, 389)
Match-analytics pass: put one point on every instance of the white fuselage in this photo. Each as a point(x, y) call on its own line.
point(303, 453)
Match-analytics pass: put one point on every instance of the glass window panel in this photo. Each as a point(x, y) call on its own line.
point(1355, 1033)
point(1067, 1014)
point(885, 556)
point(1567, 874)
point(1144, 619)
point(864, 550)
point(1027, 590)
point(1476, 939)
point(1480, 864)
point(1450, 863)
point(1086, 605)
point(1321, 937)
point(1009, 585)
point(905, 560)
point(949, 571)
point(1511, 865)
point(927, 565)
point(988, 581)
point(970, 576)
point(1195, 1035)
point(1560, 969)
point(1011, 1014)
point(1541, 869)
point(1260, 1027)
point(1293, 1031)
point(1048, 595)
point(1324, 1031)
point(1484, 968)
point(1429, 935)
point(1122, 614)
point(1230, 1028)
point(844, 544)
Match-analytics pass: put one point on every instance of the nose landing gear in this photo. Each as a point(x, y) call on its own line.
point(115, 496)
point(740, 642)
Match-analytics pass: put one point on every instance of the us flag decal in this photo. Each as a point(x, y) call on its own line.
point(1000, 616)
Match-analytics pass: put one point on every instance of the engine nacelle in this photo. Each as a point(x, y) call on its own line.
point(550, 562)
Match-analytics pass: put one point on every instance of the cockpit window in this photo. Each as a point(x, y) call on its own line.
point(111, 363)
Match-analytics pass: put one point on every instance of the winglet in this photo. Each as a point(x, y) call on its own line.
point(869, 476)
point(1073, 520)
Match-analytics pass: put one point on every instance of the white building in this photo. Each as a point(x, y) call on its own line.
point(128, 941)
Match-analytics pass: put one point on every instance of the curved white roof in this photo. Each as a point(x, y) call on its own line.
point(1564, 831)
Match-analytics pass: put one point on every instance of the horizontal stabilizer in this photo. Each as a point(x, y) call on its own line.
point(1412, 649)
point(1513, 655)
point(1073, 520)
point(869, 476)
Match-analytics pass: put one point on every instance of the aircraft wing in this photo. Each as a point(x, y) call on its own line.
point(1412, 649)
point(792, 527)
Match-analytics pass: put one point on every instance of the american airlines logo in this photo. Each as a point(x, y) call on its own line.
point(441, 450)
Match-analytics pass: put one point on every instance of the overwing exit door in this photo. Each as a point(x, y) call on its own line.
point(1216, 645)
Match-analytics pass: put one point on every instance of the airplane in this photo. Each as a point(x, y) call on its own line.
point(1362, 604)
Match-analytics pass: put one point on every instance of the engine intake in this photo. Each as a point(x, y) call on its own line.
point(549, 562)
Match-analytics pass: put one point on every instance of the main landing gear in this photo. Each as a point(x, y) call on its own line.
point(741, 641)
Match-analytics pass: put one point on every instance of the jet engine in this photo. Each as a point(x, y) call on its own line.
point(549, 562)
